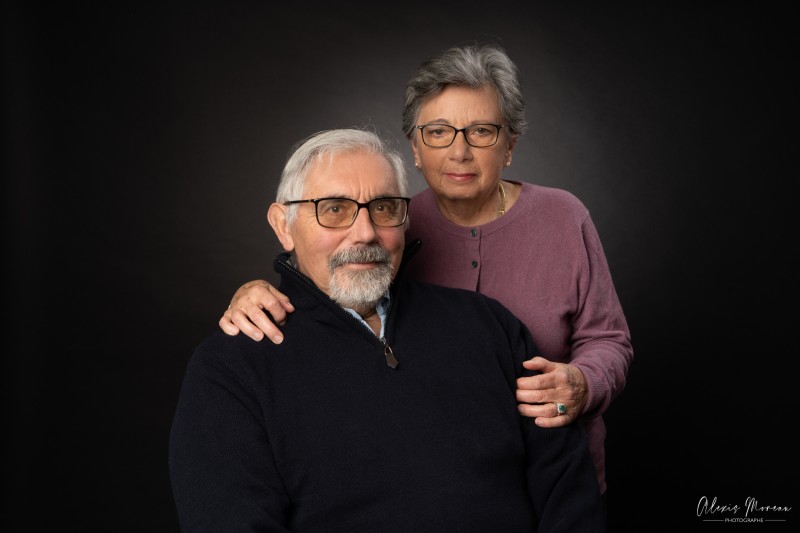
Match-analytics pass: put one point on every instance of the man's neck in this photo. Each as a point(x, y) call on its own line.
point(371, 317)
point(373, 320)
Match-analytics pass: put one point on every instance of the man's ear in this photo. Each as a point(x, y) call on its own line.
point(277, 219)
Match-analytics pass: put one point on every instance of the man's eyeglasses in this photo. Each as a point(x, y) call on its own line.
point(477, 135)
point(388, 211)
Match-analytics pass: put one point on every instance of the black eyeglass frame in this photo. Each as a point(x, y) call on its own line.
point(359, 205)
point(460, 130)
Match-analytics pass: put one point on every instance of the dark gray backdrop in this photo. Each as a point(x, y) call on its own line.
point(142, 149)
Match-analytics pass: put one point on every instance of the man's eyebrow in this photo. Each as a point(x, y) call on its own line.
point(349, 197)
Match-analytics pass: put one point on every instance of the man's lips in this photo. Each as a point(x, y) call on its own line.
point(362, 265)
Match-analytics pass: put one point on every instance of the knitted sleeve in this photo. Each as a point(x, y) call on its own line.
point(221, 478)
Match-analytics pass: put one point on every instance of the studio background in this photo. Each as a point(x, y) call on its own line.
point(143, 144)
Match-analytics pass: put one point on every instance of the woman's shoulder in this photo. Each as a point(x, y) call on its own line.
point(551, 201)
point(552, 195)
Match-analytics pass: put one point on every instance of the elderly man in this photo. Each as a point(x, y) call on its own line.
point(390, 406)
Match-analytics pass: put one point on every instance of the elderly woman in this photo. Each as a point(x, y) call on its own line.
point(533, 248)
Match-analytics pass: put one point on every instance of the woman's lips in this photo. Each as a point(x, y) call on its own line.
point(459, 176)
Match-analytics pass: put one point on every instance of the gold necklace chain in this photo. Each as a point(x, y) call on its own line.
point(502, 209)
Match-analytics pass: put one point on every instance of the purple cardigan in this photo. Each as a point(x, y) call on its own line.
point(544, 261)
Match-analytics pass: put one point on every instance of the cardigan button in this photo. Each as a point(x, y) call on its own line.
point(474, 264)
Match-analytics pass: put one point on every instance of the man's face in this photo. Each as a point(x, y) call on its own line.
point(337, 259)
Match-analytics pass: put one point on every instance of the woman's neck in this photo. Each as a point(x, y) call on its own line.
point(481, 211)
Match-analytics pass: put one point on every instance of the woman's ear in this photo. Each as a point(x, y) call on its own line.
point(511, 144)
point(276, 215)
point(417, 162)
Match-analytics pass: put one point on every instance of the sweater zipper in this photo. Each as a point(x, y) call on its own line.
point(391, 360)
point(388, 353)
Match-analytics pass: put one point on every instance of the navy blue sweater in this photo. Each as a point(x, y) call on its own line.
point(320, 434)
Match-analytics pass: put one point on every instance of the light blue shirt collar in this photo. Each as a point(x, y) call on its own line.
point(382, 308)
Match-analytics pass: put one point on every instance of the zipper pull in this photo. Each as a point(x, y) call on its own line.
point(391, 360)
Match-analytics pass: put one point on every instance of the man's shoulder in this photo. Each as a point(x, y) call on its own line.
point(231, 351)
point(459, 308)
point(424, 287)
point(424, 293)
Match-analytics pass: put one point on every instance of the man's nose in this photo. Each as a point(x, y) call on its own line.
point(363, 226)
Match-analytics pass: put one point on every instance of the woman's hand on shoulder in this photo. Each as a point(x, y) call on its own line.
point(257, 309)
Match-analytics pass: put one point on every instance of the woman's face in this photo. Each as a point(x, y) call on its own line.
point(461, 172)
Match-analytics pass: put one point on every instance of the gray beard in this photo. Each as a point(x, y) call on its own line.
point(360, 289)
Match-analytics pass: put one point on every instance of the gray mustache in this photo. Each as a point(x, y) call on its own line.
point(367, 254)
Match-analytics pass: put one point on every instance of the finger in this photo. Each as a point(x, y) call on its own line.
point(227, 326)
point(538, 382)
point(261, 297)
point(553, 421)
point(265, 319)
point(262, 294)
point(543, 415)
point(534, 396)
point(243, 320)
point(274, 306)
point(535, 410)
point(283, 300)
point(536, 363)
point(265, 325)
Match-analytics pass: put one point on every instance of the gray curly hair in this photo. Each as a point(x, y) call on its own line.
point(471, 66)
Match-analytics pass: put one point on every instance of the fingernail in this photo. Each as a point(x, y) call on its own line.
point(277, 339)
